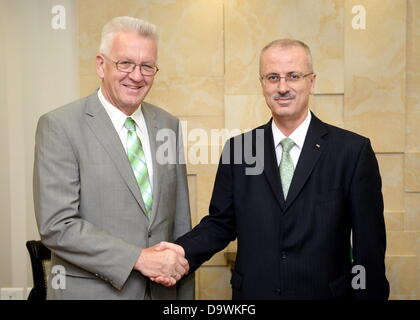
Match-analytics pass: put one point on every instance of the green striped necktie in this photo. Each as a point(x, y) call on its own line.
point(138, 163)
point(286, 165)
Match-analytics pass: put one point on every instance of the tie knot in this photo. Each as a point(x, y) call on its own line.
point(287, 144)
point(130, 124)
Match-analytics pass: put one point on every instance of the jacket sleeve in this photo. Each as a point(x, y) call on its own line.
point(216, 230)
point(368, 226)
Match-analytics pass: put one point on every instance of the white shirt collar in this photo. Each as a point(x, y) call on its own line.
point(117, 116)
point(298, 135)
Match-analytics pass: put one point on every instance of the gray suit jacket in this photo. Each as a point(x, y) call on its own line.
point(89, 209)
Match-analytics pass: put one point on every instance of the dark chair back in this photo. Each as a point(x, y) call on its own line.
point(40, 257)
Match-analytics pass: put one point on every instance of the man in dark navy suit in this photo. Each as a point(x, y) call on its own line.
point(319, 193)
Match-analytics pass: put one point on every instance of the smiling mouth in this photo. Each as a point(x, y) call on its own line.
point(132, 87)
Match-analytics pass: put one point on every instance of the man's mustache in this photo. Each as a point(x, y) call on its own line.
point(287, 95)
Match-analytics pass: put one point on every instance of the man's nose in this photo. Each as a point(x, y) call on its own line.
point(282, 85)
point(136, 74)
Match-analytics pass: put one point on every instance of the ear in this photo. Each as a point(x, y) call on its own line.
point(313, 78)
point(100, 66)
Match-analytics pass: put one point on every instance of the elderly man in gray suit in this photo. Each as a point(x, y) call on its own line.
point(103, 199)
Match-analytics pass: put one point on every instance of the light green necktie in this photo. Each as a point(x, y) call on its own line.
point(286, 165)
point(138, 163)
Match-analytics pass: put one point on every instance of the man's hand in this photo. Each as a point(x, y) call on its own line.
point(164, 262)
point(172, 246)
point(164, 280)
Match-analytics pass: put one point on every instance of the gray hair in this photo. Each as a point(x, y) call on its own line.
point(287, 43)
point(125, 24)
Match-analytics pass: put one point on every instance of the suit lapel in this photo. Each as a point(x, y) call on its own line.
point(312, 149)
point(271, 171)
point(101, 125)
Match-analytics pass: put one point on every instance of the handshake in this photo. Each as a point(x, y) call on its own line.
point(163, 263)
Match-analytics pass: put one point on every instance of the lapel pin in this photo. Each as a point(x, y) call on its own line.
point(318, 146)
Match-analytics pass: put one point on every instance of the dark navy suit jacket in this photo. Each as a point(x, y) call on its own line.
point(298, 248)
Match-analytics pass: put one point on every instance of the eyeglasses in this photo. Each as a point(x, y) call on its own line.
point(291, 77)
point(128, 67)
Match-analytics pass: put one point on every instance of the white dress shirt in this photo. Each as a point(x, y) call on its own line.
point(118, 118)
point(298, 136)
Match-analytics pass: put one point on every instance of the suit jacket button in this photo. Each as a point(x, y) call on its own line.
point(149, 234)
point(283, 255)
point(278, 291)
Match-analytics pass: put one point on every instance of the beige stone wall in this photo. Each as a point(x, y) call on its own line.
point(368, 82)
